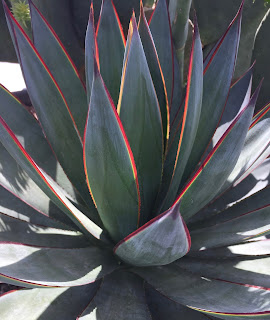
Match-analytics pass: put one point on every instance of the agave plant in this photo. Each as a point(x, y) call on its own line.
point(125, 197)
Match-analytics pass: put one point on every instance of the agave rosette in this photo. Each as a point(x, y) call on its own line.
point(151, 203)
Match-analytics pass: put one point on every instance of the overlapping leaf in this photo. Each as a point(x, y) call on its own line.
point(139, 112)
point(120, 296)
point(57, 122)
point(163, 43)
point(61, 66)
point(181, 146)
point(31, 266)
point(49, 303)
point(109, 165)
point(110, 40)
point(217, 80)
point(214, 297)
point(213, 172)
point(167, 240)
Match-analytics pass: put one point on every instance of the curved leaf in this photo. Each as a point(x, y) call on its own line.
point(121, 297)
point(109, 165)
point(139, 112)
point(161, 241)
point(110, 38)
point(30, 266)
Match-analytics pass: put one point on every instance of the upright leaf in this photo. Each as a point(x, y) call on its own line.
point(62, 67)
point(110, 40)
point(175, 162)
point(91, 51)
point(109, 165)
point(156, 73)
point(216, 83)
point(179, 15)
point(238, 98)
point(163, 43)
point(139, 112)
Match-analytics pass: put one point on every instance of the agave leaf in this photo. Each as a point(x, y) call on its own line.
point(177, 96)
point(109, 165)
point(17, 231)
point(163, 42)
point(26, 189)
point(120, 296)
point(139, 112)
point(163, 308)
point(256, 145)
point(166, 236)
point(179, 15)
point(216, 83)
point(234, 199)
point(62, 67)
point(214, 297)
point(218, 164)
point(29, 133)
point(46, 303)
point(110, 39)
point(12, 206)
point(251, 270)
point(254, 202)
point(262, 114)
point(91, 51)
point(238, 98)
point(156, 72)
point(175, 163)
point(247, 226)
point(50, 187)
point(56, 122)
point(251, 249)
point(31, 266)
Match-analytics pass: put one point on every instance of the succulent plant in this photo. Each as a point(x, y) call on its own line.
point(151, 203)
